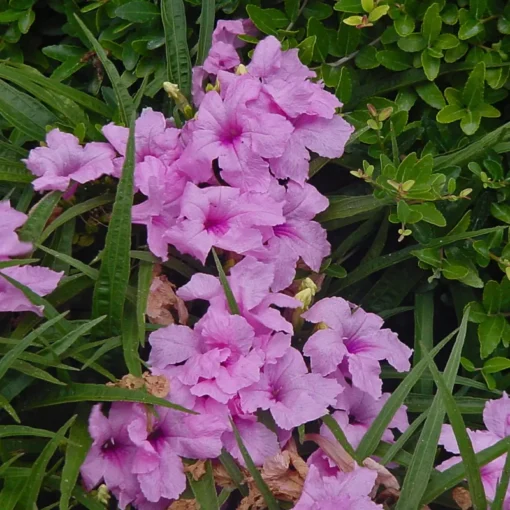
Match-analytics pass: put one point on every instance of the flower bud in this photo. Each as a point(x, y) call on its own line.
point(241, 69)
point(181, 102)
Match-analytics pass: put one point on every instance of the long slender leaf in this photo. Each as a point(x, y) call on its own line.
point(254, 472)
point(130, 340)
point(35, 372)
point(231, 300)
point(108, 345)
point(39, 216)
point(63, 344)
point(178, 60)
point(124, 100)
point(4, 404)
point(206, 30)
point(374, 434)
point(111, 287)
point(233, 471)
point(13, 171)
point(142, 295)
point(499, 497)
point(98, 393)
point(21, 430)
point(423, 333)
point(35, 479)
point(464, 442)
point(76, 451)
point(421, 467)
point(77, 264)
point(204, 489)
point(336, 430)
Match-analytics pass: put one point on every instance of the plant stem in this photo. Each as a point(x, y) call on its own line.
point(303, 5)
point(352, 55)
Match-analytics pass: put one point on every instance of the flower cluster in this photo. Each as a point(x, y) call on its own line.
point(40, 280)
point(234, 177)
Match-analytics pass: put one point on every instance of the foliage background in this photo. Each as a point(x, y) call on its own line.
point(418, 216)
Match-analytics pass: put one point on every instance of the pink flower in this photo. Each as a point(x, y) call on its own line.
point(40, 280)
point(111, 455)
point(496, 417)
point(154, 136)
point(10, 245)
point(162, 441)
point(239, 137)
point(222, 217)
point(356, 412)
point(64, 160)
point(250, 282)
point(291, 394)
point(345, 491)
point(355, 342)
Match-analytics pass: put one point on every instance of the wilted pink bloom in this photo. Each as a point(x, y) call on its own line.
point(356, 412)
point(291, 394)
point(111, 455)
point(154, 136)
point(223, 217)
point(345, 491)
point(10, 245)
point(161, 442)
point(298, 237)
point(64, 160)
point(227, 31)
point(355, 342)
point(496, 417)
point(40, 280)
point(250, 282)
point(239, 137)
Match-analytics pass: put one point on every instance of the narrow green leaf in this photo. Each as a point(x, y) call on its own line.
point(422, 464)
point(124, 100)
point(336, 430)
point(142, 295)
point(77, 264)
point(233, 471)
point(34, 481)
point(14, 171)
point(206, 30)
point(374, 434)
point(178, 60)
point(254, 472)
point(423, 332)
point(500, 496)
point(98, 393)
point(130, 340)
point(464, 442)
point(9, 358)
point(111, 287)
point(204, 489)
point(39, 216)
point(231, 300)
point(76, 451)
point(21, 430)
point(62, 345)
point(34, 372)
point(345, 207)
point(4, 404)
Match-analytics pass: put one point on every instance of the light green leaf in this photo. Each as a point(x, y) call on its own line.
point(470, 28)
point(472, 94)
point(404, 25)
point(489, 333)
point(432, 23)
point(138, 11)
point(206, 30)
point(431, 94)
point(497, 364)
point(412, 43)
point(430, 65)
point(348, 6)
point(450, 113)
point(204, 489)
point(267, 21)
point(470, 122)
point(492, 297)
point(430, 214)
point(501, 212)
point(394, 60)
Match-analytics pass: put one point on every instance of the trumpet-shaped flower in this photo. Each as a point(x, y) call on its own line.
point(10, 245)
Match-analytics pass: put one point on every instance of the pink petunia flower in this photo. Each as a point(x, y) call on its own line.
point(40, 280)
point(10, 245)
point(239, 137)
point(496, 417)
point(250, 282)
point(345, 491)
point(293, 395)
point(64, 160)
point(222, 217)
point(355, 342)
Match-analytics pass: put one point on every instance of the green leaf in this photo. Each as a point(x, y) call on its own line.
point(430, 65)
point(367, 58)
point(178, 60)
point(24, 112)
point(422, 463)
point(34, 480)
point(470, 122)
point(477, 312)
point(254, 472)
point(412, 43)
point(372, 437)
point(472, 94)
point(204, 489)
point(423, 333)
point(489, 333)
point(404, 25)
point(497, 364)
point(76, 392)
point(378, 13)
point(64, 343)
point(130, 340)
point(454, 271)
point(13, 171)
point(267, 21)
point(492, 297)
point(501, 212)
point(317, 9)
point(4, 404)
point(431, 94)
point(478, 7)
point(233, 471)
point(501, 490)
point(231, 300)
point(124, 100)
point(206, 30)
point(292, 9)
point(470, 28)
point(142, 294)
point(345, 207)
point(39, 216)
point(138, 11)
point(321, 48)
point(394, 60)
point(348, 6)
point(76, 451)
point(21, 430)
point(450, 113)
point(432, 23)
point(26, 21)
point(306, 48)
point(110, 289)
point(430, 214)
point(339, 435)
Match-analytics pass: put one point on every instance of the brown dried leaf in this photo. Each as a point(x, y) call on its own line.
point(462, 497)
point(221, 476)
point(196, 470)
point(156, 385)
point(162, 301)
point(129, 381)
point(184, 504)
